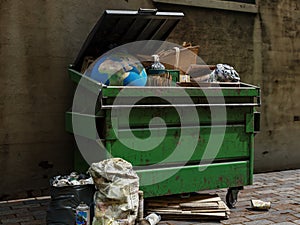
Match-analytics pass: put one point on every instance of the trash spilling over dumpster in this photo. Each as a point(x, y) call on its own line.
point(116, 199)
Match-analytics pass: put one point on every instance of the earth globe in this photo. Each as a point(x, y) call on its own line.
point(118, 69)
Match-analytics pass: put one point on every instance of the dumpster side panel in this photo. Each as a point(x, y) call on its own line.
point(192, 178)
point(235, 145)
point(140, 118)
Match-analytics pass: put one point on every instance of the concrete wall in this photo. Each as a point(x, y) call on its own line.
point(39, 38)
point(278, 143)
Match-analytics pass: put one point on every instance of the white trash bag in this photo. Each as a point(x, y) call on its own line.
point(117, 200)
point(224, 73)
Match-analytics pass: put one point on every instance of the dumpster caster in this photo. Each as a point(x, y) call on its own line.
point(232, 196)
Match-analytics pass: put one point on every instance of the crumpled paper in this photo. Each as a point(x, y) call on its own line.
point(117, 200)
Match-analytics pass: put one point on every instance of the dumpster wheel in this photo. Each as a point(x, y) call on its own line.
point(232, 196)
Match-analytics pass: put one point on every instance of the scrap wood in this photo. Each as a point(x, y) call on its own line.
point(224, 206)
point(208, 210)
point(178, 198)
point(151, 205)
point(189, 213)
point(200, 205)
point(203, 216)
point(212, 199)
point(186, 210)
point(196, 206)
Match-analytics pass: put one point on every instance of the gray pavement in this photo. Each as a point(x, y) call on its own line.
point(282, 189)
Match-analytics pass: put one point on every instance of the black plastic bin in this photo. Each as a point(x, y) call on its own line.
point(64, 201)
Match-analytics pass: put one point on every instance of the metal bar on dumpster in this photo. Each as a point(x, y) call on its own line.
point(178, 105)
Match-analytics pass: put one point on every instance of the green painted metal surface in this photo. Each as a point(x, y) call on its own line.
point(79, 163)
point(251, 159)
point(110, 91)
point(85, 81)
point(140, 118)
point(250, 122)
point(192, 178)
point(234, 145)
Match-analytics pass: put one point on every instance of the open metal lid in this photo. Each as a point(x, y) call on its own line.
point(118, 27)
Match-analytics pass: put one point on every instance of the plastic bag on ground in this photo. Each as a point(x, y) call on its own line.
point(117, 200)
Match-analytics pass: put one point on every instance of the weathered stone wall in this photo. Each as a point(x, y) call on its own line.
point(39, 38)
point(278, 142)
point(220, 35)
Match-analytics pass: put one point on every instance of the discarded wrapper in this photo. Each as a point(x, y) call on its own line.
point(151, 219)
point(260, 205)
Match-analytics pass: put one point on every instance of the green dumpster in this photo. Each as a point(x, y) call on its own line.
point(202, 147)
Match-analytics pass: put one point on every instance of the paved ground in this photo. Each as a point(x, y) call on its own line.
point(282, 189)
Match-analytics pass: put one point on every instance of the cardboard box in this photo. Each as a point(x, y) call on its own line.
point(180, 60)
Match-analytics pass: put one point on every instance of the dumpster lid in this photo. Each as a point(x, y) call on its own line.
point(118, 27)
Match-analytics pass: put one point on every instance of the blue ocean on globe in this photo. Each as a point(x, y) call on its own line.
point(118, 69)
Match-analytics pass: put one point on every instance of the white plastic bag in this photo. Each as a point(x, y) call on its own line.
point(224, 73)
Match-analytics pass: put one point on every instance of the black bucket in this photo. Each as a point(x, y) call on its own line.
point(64, 201)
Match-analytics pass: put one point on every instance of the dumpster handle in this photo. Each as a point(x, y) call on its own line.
point(178, 105)
point(258, 97)
point(147, 11)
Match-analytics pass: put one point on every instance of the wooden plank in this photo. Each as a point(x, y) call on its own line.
point(215, 4)
point(224, 206)
point(214, 199)
point(180, 199)
point(192, 216)
point(208, 210)
point(189, 213)
point(199, 205)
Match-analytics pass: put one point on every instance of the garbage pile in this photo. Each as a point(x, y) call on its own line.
point(116, 200)
point(73, 179)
